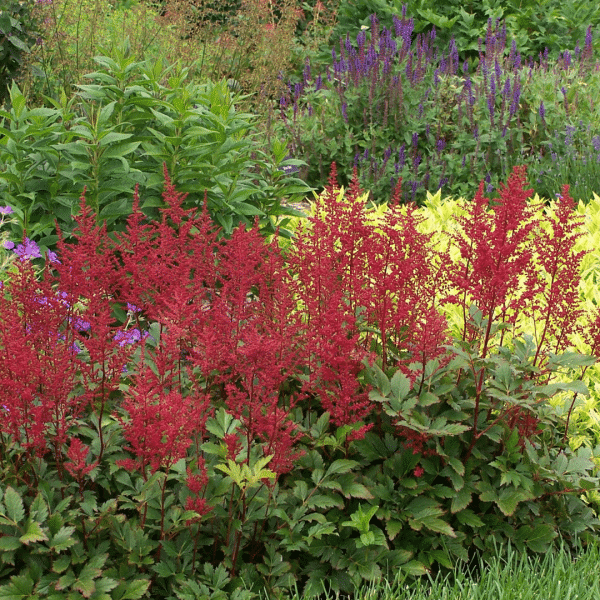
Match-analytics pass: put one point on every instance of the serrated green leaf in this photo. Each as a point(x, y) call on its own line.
point(508, 500)
point(400, 385)
point(427, 399)
point(468, 517)
point(61, 564)
point(14, 505)
point(136, 589)
point(19, 588)
point(438, 525)
point(8, 542)
point(460, 501)
point(393, 528)
point(340, 466)
point(414, 567)
point(540, 538)
point(33, 533)
point(63, 540)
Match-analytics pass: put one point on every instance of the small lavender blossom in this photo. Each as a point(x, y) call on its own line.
point(53, 258)
point(28, 250)
point(129, 337)
point(8, 245)
point(6, 210)
point(542, 111)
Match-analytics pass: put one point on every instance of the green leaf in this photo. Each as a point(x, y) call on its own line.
point(62, 539)
point(33, 533)
point(437, 525)
point(113, 136)
point(393, 528)
point(341, 465)
point(400, 385)
point(468, 517)
point(61, 564)
point(19, 588)
point(460, 501)
point(136, 589)
point(414, 567)
point(508, 500)
point(20, 44)
point(427, 399)
point(8, 542)
point(14, 505)
point(119, 150)
point(541, 538)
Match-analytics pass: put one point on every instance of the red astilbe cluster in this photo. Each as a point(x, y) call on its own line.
point(161, 422)
point(38, 371)
point(353, 276)
point(225, 310)
point(328, 264)
point(496, 255)
point(555, 305)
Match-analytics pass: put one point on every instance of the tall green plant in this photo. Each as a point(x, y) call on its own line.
point(118, 132)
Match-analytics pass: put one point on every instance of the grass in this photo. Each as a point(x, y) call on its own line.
point(512, 575)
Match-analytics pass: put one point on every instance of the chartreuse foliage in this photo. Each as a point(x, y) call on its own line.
point(117, 132)
point(370, 402)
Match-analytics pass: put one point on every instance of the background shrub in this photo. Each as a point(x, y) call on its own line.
point(117, 132)
point(399, 107)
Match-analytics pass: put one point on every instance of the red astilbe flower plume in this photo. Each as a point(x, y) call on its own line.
point(87, 278)
point(556, 305)
point(404, 280)
point(171, 257)
point(38, 374)
point(495, 254)
point(77, 455)
point(252, 336)
point(160, 422)
point(328, 266)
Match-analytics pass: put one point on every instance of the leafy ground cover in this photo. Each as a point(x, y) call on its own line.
point(223, 398)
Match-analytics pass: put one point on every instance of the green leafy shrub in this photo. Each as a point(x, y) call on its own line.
point(117, 132)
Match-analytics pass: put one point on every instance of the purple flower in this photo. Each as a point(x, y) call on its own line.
point(8, 245)
point(6, 210)
point(53, 258)
point(80, 324)
point(542, 110)
point(129, 337)
point(588, 39)
point(28, 250)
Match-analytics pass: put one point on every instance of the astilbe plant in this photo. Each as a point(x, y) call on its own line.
point(311, 401)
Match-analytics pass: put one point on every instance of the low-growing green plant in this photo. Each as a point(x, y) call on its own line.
point(117, 132)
